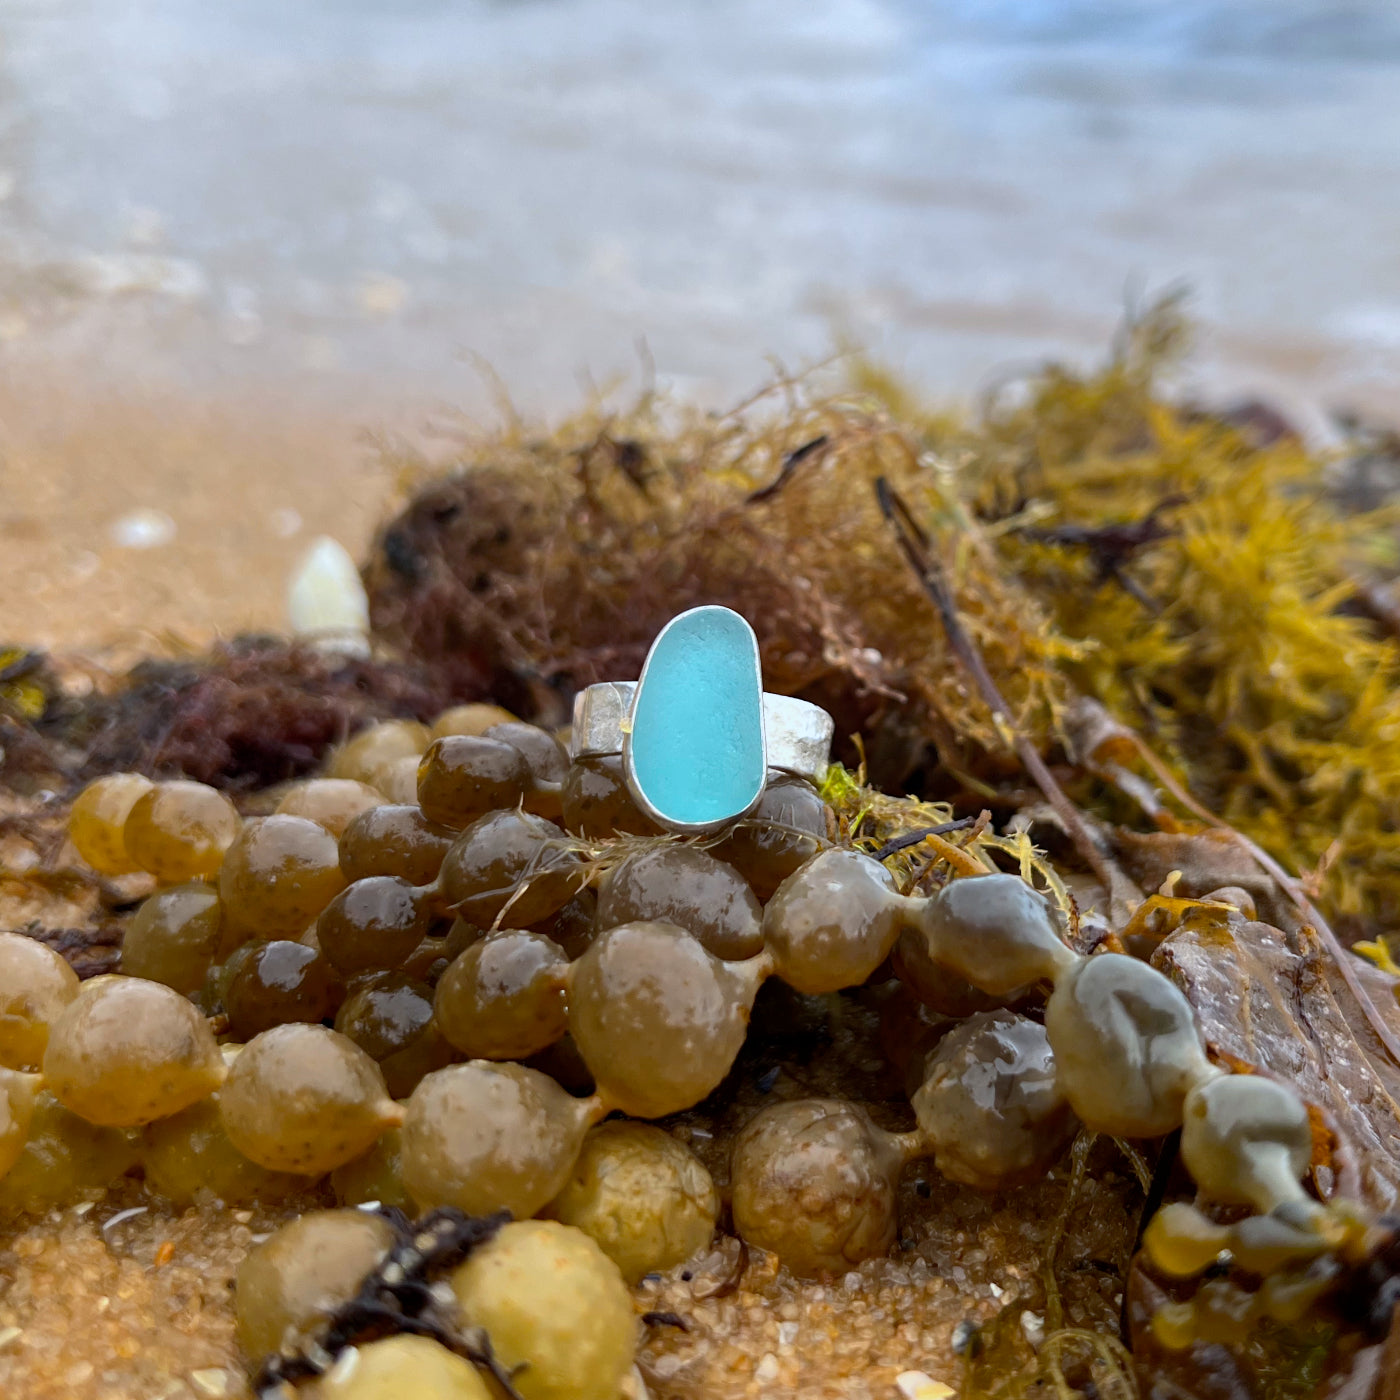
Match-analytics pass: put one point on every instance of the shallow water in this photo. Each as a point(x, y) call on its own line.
point(361, 191)
point(341, 211)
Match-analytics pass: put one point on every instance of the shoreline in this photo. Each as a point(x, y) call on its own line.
point(230, 485)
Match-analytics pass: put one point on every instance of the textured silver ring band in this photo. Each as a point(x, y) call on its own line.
point(798, 733)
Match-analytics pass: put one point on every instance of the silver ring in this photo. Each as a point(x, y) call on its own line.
point(798, 733)
point(794, 736)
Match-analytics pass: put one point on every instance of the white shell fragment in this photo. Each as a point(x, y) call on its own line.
point(326, 601)
point(1033, 1328)
point(919, 1385)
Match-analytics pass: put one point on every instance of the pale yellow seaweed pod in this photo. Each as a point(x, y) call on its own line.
point(554, 1306)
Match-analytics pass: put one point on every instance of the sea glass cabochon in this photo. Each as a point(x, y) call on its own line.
point(695, 754)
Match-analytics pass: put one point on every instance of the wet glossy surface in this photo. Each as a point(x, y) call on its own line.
point(364, 755)
point(304, 1099)
point(126, 1051)
point(834, 922)
point(189, 1156)
point(377, 1175)
point(657, 1018)
point(572, 925)
point(390, 1016)
point(374, 924)
point(937, 988)
point(290, 1282)
point(1246, 1141)
point(98, 819)
point(175, 937)
point(394, 839)
point(507, 858)
point(462, 777)
point(180, 830)
point(332, 802)
point(278, 876)
point(814, 1181)
point(65, 1158)
point(17, 1093)
point(995, 932)
point(503, 998)
point(596, 802)
point(786, 829)
point(279, 982)
point(989, 1107)
point(485, 1137)
point(680, 884)
point(1126, 1045)
point(36, 984)
point(546, 759)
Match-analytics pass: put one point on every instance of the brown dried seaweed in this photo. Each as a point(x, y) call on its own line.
point(245, 715)
point(539, 565)
point(90, 951)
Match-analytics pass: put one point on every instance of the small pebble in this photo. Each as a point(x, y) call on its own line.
point(787, 1333)
point(142, 529)
point(767, 1369)
point(213, 1382)
point(918, 1385)
point(285, 522)
point(964, 1337)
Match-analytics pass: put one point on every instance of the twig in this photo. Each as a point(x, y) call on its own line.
point(913, 838)
point(915, 545)
point(1079, 1166)
point(962, 860)
point(791, 462)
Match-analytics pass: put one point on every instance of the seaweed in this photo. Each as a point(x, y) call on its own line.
point(245, 715)
point(1198, 575)
point(398, 1297)
point(538, 564)
point(1223, 635)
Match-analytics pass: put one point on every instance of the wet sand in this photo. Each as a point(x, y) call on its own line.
point(148, 522)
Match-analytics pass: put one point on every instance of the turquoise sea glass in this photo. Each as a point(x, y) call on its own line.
point(695, 754)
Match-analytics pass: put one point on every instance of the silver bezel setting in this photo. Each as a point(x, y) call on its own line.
point(797, 738)
point(629, 766)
